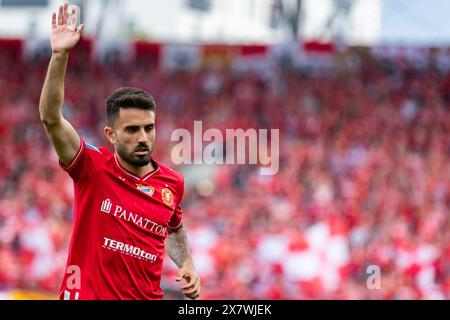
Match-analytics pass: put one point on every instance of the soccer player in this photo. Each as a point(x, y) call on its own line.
point(127, 205)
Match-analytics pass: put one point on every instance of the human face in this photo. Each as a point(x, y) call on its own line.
point(133, 136)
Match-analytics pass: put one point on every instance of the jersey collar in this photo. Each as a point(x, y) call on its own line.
point(145, 177)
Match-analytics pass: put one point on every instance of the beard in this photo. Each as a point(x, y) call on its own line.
point(134, 159)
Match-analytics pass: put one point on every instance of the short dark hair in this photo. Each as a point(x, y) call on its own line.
point(128, 98)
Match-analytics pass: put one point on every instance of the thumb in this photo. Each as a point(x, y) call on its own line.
point(80, 29)
point(181, 275)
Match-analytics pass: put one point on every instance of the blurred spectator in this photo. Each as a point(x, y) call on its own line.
point(364, 178)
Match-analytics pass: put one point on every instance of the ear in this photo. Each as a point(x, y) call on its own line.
point(110, 135)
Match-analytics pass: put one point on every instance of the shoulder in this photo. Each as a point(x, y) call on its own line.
point(88, 160)
point(98, 155)
point(97, 151)
point(170, 173)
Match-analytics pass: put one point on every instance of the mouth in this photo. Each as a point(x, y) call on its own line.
point(141, 152)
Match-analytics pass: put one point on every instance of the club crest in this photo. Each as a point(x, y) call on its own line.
point(167, 196)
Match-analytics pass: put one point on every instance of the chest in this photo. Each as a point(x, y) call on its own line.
point(144, 205)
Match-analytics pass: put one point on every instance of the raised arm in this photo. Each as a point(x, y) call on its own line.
point(178, 250)
point(64, 37)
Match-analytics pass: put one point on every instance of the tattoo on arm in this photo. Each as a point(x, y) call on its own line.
point(177, 246)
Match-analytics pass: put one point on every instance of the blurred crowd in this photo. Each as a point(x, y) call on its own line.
point(358, 210)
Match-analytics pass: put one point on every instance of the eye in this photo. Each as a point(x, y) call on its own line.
point(149, 128)
point(131, 129)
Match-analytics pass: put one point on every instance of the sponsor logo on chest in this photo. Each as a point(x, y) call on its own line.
point(107, 207)
point(128, 250)
point(145, 189)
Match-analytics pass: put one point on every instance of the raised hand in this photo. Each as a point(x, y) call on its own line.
point(65, 34)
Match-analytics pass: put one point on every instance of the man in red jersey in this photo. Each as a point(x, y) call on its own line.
point(127, 205)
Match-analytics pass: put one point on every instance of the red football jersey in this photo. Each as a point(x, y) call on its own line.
point(121, 222)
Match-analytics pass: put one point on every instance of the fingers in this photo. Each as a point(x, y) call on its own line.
point(63, 16)
point(190, 284)
point(194, 296)
point(192, 288)
point(72, 24)
point(73, 20)
point(54, 20)
point(60, 16)
point(65, 13)
point(181, 276)
point(193, 293)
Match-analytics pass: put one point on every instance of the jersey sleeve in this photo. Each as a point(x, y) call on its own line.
point(177, 216)
point(84, 164)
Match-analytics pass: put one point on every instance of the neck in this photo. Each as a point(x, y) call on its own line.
point(138, 171)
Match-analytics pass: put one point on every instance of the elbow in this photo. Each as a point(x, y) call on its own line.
point(46, 121)
point(49, 122)
point(175, 230)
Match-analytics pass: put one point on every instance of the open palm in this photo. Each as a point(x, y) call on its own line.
point(65, 35)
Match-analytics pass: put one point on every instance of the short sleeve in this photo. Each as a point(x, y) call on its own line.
point(83, 164)
point(177, 216)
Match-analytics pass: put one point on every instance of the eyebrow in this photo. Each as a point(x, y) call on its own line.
point(134, 126)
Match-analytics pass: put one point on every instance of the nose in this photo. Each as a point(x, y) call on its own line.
point(142, 136)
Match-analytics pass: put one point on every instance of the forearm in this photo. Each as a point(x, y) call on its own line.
point(52, 95)
point(177, 247)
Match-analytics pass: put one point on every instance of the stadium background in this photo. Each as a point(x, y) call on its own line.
point(364, 125)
